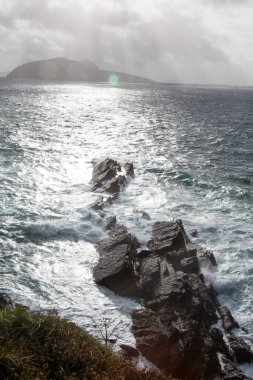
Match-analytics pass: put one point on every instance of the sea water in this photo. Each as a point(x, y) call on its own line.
point(192, 148)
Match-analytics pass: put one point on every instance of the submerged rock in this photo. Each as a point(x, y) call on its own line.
point(111, 222)
point(194, 233)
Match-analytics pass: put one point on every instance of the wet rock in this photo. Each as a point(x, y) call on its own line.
point(217, 336)
point(115, 268)
point(107, 176)
point(241, 349)
point(149, 275)
point(206, 258)
point(5, 301)
point(175, 346)
point(111, 222)
point(228, 321)
point(103, 172)
point(98, 205)
point(129, 168)
point(166, 237)
point(143, 215)
point(180, 307)
point(194, 233)
point(230, 372)
point(114, 185)
point(130, 351)
point(190, 265)
point(174, 329)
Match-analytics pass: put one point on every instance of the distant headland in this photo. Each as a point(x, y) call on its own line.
point(66, 70)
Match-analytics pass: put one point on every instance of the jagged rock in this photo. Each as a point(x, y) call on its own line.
point(166, 237)
point(129, 168)
point(190, 265)
point(103, 172)
point(217, 336)
point(143, 215)
point(194, 233)
point(241, 349)
point(130, 351)
point(228, 321)
point(113, 186)
point(111, 222)
point(175, 329)
point(114, 268)
point(230, 372)
point(5, 301)
point(174, 347)
point(107, 176)
point(98, 205)
point(206, 258)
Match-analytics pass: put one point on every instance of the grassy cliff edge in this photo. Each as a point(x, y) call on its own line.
point(39, 346)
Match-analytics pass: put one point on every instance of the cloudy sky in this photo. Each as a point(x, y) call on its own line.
point(193, 41)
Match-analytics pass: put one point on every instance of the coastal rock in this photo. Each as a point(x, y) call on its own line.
point(111, 222)
point(108, 176)
point(228, 321)
point(114, 268)
point(206, 258)
point(114, 185)
point(174, 344)
point(129, 168)
point(230, 372)
point(5, 301)
point(175, 328)
point(104, 172)
point(130, 351)
point(241, 349)
point(194, 233)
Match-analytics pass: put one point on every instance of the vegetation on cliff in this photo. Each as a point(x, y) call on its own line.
point(38, 346)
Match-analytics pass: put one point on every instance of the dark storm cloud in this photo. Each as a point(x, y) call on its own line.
point(192, 40)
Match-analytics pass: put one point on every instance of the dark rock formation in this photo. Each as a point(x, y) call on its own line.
point(5, 301)
point(115, 268)
point(111, 222)
point(104, 172)
point(241, 349)
point(194, 233)
point(175, 328)
point(130, 351)
point(129, 168)
point(228, 321)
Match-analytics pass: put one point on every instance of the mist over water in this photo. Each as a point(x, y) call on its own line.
point(192, 150)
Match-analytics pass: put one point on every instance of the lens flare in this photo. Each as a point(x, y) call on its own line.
point(113, 79)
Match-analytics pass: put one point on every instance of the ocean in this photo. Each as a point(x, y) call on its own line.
point(192, 148)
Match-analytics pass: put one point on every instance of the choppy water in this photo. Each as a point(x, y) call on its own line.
point(192, 149)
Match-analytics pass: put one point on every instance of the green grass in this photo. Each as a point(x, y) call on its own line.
point(37, 346)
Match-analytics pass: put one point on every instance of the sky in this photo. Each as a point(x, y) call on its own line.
point(185, 41)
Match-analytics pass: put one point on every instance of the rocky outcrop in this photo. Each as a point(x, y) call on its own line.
point(115, 268)
point(175, 329)
point(5, 301)
point(129, 351)
point(108, 176)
